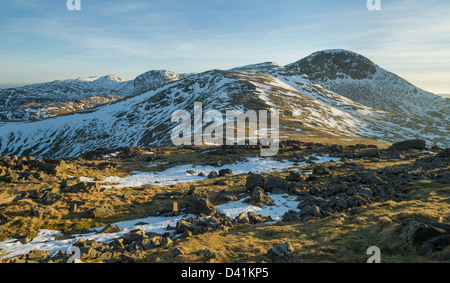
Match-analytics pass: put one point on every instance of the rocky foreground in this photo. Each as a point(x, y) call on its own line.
point(396, 198)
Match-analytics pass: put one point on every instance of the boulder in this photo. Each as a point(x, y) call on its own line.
point(225, 172)
point(200, 206)
point(172, 209)
point(256, 218)
point(213, 174)
point(280, 252)
point(444, 153)
point(225, 196)
point(427, 236)
point(100, 212)
point(253, 181)
point(87, 187)
point(183, 226)
point(275, 185)
point(321, 170)
point(110, 228)
point(259, 198)
point(409, 144)
point(295, 176)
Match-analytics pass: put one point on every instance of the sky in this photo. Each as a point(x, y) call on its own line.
point(43, 41)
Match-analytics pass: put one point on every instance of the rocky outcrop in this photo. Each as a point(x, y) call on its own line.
point(427, 236)
point(200, 206)
point(259, 198)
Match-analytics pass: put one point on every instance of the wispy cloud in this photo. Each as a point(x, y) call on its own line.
point(410, 37)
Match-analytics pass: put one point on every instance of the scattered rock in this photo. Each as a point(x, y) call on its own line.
point(177, 252)
point(295, 176)
point(444, 153)
point(25, 239)
point(259, 198)
point(213, 174)
point(101, 212)
point(171, 209)
point(254, 218)
point(109, 229)
point(225, 172)
point(280, 253)
point(321, 170)
point(275, 185)
point(86, 187)
point(38, 254)
point(428, 236)
point(409, 144)
point(253, 181)
point(225, 196)
point(183, 226)
point(200, 205)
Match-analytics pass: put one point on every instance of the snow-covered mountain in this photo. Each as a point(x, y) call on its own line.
point(359, 79)
point(154, 79)
point(46, 100)
point(51, 99)
point(307, 109)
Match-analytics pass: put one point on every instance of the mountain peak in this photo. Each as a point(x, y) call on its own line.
point(153, 79)
point(335, 63)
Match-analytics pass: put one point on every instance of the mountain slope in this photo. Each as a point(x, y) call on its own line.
point(46, 100)
point(359, 79)
point(308, 110)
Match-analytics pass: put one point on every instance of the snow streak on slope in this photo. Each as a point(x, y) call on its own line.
point(141, 120)
point(419, 113)
point(46, 100)
point(304, 104)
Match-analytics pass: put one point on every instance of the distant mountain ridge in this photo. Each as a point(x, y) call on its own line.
point(46, 100)
point(308, 105)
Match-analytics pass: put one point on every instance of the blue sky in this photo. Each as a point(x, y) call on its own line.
point(43, 41)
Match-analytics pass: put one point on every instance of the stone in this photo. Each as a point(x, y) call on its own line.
point(374, 153)
point(417, 232)
point(183, 226)
point(444, 153)
point(321, 170)
point(213, 174)
point(409, 144)
point(38, 211)
point(259, 198)
point(70, 182)
point(253, 181)
point(275, 185)
point(25, 239)
point(241, 218)
point(311, 210)
point(38, 254)
point(200, 206)
point(177, 252)
point(295, 176)
point(100, 212)
point(110, 228)
point(205, 253)
point(87, 187)
point(225, 196)
point(280, 252)
point(225, 172)
point(171, 209)
point(256, 218)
